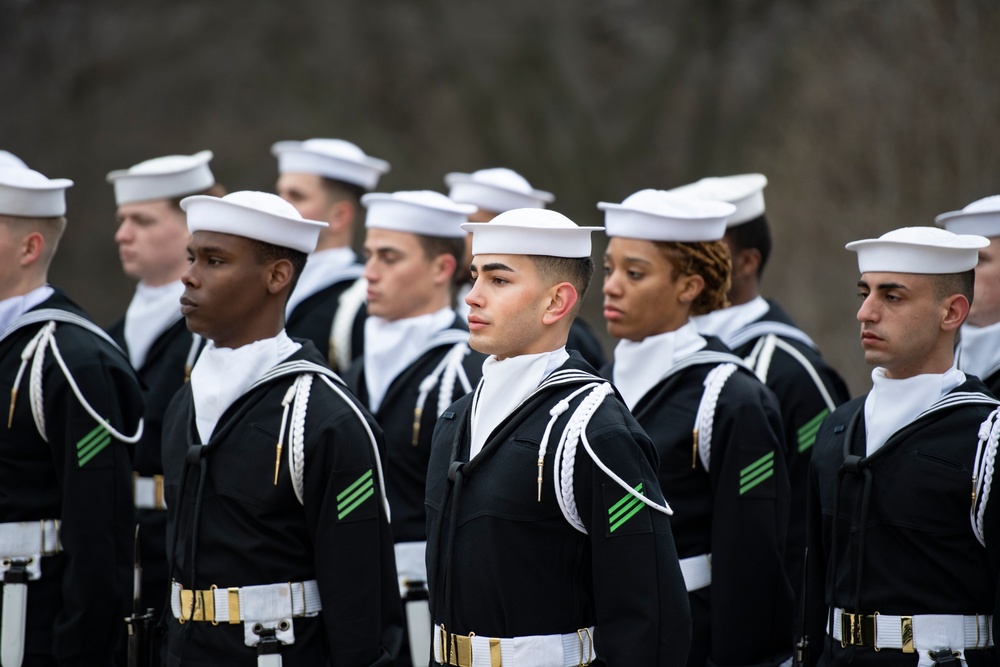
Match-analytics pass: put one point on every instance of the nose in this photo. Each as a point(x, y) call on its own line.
point(190, 277)
point(474, 297)
point(124, 232)
point(370, 273)
point(868, 312)
point(612, 286)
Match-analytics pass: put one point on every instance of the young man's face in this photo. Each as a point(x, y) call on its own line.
point(402, 281)
point(506, 305)
point(307, 194)
point(225, 288)
point(151, 238)
point(641, 295)
point(900, 318)
point(985, 308)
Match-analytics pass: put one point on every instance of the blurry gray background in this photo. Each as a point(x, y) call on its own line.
point(865, 116)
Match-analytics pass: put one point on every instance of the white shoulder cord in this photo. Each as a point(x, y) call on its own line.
point(35, 352)
point(192, 356)
point(705, 417)
point(371, 438)
point(982, 472)
point(446, 371)
point(565, 455)
point(298, 397)
point(763, 365)
point(343, 323)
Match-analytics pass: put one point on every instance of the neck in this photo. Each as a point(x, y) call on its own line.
point(743, 292)
point(23, 286)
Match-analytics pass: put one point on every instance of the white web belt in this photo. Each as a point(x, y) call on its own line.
point(29, 538)
point(923, 632)
point(570, 650)
point(270, 602)
point(147, 492)
point(697, 571)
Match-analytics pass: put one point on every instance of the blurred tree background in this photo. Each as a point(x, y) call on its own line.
point(864, 115)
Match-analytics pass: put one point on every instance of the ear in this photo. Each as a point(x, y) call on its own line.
point(32, 246)
point(443, 268)
point(746, 263)
point(956, 309)
point(689, 288)
point(562, 298)
point(341, 216)
point(278, 276)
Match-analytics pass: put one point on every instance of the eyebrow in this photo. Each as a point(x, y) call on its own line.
point(493, 266)
point(885, 286)
point(213, 250)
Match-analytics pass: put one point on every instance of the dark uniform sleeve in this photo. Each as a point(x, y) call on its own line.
point(642, 609)
point(97, 513)
point(355, 563)
point(814, 606)
point(751, 600)
point(991, 535)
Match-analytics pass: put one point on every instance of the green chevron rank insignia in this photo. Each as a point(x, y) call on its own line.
point(757, 474)
point(92, 444)
point(356, 499)
point(807, 432)
point(627, 515)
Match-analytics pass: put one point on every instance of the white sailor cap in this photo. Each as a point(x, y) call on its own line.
point(744, 191)
point(530, 231)
point(254, 215)
point(330, 158)
point(658, 215)
point(496, 190)
point(8, 159)
point(28, 194)
point(421, 212)
point(163, 178)
point(919, 250)
point(980, 217)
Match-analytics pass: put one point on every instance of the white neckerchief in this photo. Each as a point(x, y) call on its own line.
point(892, 404)
point(15, 306)
point(639, 366)
point(978, 352)
point(323, 269)
point(222, 374)
point(505, 384)
point(727, 321)
point(390, 347)
point(153, 310)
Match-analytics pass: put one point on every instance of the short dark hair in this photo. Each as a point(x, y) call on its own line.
point(265, 253)
point(577, 271)
point(342, 190)
point(434, 246)
point(947, 284)
point(752, 235)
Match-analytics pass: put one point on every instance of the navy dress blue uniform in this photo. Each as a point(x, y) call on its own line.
point(162, 373)
point(891, 532)
point(80, 476)
point(807, 389)
point(736, 510)
point(233, 525)
point(503, 564)
point(313, 317)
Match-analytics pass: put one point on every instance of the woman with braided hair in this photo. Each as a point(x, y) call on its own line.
point(716, 428)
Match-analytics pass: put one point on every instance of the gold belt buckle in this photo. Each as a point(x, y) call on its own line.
point(846, 629)
point(461, 654)
point(197, 606)
point(158, 501)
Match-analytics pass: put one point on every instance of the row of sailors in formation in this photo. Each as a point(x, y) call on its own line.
point(529, 483)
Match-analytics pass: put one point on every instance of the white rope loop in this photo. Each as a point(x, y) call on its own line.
point(565, 457)
point(35, 351)
point(297, 446)
point(705, 417)
point(982, 472)
point(348, 305)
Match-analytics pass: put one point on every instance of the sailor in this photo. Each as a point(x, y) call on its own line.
point(903, 560)
point(324, 179)
point(74, 406)
point(783, 356)
point(495, 191)
point(278, 535)
point(416, 362)
point(548, 540)
point(978, 350)
point(152, 238)
point(716, 428)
